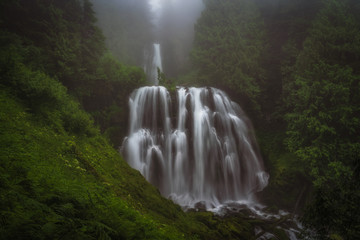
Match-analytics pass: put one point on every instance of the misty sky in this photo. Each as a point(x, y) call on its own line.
point(181, 10)
point(155, 4)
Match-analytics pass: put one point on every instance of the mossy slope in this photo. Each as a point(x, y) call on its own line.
point(57, 185)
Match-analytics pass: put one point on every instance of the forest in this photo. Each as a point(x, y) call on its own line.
point(68, 69)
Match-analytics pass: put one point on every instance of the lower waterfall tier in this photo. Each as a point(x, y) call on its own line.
point(202, 150)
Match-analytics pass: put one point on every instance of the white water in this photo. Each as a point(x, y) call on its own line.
point(153, 62)
point(157, 64)
point(209, 156)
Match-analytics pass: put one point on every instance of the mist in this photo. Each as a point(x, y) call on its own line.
point(176, 33)
point(127, 27)
point(132, 26)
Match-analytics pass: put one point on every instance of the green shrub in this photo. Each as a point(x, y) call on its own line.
point(42, 94)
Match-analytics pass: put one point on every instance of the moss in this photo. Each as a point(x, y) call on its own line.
point(57, 184)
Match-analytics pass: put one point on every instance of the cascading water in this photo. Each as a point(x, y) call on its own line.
point(153, 62)
point(157, 63)
point(209, 157)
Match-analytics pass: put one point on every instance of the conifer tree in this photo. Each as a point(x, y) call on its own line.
point(323, 125)
point(228, 47)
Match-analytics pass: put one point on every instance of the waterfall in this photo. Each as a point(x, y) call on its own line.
point(157, 63)
point(153, 61)
point(210, 156)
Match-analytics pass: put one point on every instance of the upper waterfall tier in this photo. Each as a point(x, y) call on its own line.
point(210, 154)
point(153, 62)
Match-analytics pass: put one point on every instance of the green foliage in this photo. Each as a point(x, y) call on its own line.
point(59, 39)
point(324, 118)
point(289, 184)
point(286, 26)
point(108, 102)
point(65, 33)
point(54, 185)
point(334, 208)
point(165, 81)
point(228, 46)
point(42, 94)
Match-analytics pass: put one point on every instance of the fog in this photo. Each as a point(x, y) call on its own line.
point(127, 27)
point(132, 26)
point(176, 32)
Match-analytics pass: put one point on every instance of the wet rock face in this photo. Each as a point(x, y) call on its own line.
point(199, 150)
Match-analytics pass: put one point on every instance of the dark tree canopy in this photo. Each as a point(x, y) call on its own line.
point(229, 41)
point(324, 118)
